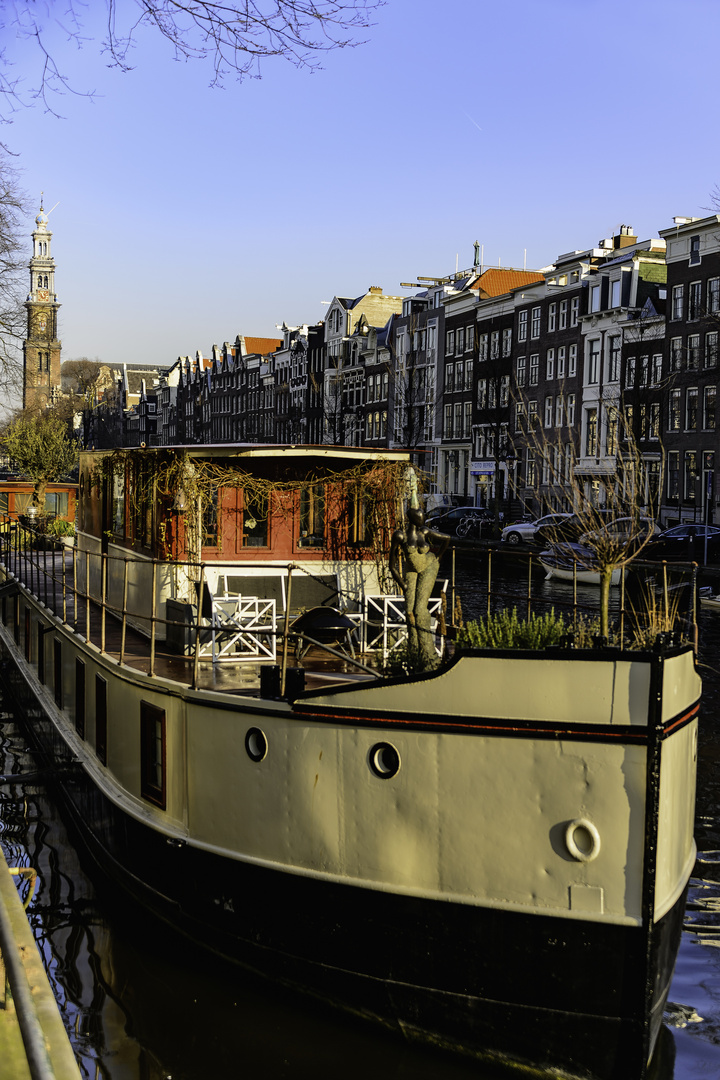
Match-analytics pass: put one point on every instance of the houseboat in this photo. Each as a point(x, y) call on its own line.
point(489, 856)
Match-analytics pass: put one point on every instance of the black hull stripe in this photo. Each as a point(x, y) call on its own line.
point(494, 727)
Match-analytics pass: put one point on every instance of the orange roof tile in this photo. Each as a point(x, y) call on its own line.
point(262, 345)
point(498, 282)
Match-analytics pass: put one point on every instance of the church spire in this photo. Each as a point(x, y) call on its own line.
point(41, 348)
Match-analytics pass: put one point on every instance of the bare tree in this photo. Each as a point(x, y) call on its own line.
point(233, 37)
point(12, 312)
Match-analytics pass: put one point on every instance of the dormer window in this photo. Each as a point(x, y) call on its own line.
point(694, 250)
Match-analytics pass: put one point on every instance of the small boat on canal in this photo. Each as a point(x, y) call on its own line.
point(574, 562)
point(489, 855)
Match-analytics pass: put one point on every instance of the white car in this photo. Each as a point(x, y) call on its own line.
point(524, 531)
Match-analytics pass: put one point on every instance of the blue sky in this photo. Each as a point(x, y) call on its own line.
point(187, 215)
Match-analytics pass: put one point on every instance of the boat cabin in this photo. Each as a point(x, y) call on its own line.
point(167, 531)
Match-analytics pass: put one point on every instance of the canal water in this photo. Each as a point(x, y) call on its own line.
point(140, 1004)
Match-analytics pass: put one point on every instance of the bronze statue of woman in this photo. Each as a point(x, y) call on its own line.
point(412, 547)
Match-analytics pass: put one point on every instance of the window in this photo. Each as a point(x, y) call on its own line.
point(711, 349)
point(530, 468)
point(709, 408)
point(690, 476)
point(520, 415)
point(58, 672)
point(571, 410)
point(468, 380)
point(459, 375)
point(550, 365)
point(563, 314)
point(673, 464)
point(358, 518)
point(255, 521)
point(460, 341)
point(312, 514)
point(520, 370)
point(535, 323)
point(504, 390)
point(482, 394)
point(713, 296)
point(534, 369)
point(561, 362)
point(674, 410)
point(678, 301)
point(559, 409)
point(644, 370)
point(507, 342)
point(449, 378)
point(694, 250)
point(693, 352)
point(447, 422)
point(552, 317)
point(495, 345)
point(676, 351)
point(654, 420)
point(593, 369)
point(483, 347)
point(152, 754)
point(615, 293)
point(101, 719)
point(532, 411)
point(457, 421)
point(613, 424)
point(523, 326)
point(572, 361)
point(210, 520)
point(80, 697)
point(469, 339)
point(694, 299)
point(591, 432)
point(450, 342)
point(691, 407)
point(614, 370)
point(656, 370)
point(595, 297)
point(467, 420)
point(118, 501)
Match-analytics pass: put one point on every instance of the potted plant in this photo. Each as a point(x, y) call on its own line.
point(62, 531)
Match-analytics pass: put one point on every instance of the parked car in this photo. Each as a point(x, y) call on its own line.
point(622, 530)
point(685, 542)
point(524, 531)
point(463, 521)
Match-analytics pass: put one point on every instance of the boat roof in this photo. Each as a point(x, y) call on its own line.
point(266, 450)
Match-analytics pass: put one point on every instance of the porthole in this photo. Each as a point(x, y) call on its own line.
point(582, 840)
point(384, 760)
point(256, 744)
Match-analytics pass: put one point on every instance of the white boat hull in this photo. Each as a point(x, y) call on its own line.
point(491, 858)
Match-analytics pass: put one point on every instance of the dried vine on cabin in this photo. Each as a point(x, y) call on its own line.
point(382, 488)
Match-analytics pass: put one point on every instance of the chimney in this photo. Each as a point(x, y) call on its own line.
point(625, 238)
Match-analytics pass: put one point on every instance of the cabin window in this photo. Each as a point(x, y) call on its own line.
point(56, 504)
point(255, 522)
point(80, 697)
point(152, 754)
point(101, 718)
point(312, 517)
point(58, 672)
point(118, 503)
point(358, 517)
point(4, 502)
point(210, 530)
point(142, 506)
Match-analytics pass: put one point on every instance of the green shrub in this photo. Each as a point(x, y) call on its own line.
point(503, 630)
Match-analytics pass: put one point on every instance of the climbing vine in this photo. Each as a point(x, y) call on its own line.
point(366, 498)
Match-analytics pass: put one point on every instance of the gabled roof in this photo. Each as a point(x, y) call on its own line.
point(497, 282)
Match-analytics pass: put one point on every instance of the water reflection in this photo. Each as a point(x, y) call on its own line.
point(140, 1004)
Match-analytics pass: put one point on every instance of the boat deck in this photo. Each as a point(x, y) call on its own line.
point(106, 631)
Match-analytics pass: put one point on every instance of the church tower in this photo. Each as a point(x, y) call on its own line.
point(41, 348)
